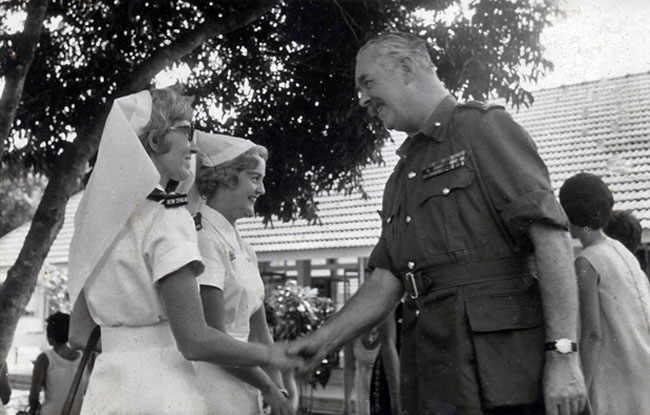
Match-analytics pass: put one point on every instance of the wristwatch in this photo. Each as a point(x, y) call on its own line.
point(563, 346)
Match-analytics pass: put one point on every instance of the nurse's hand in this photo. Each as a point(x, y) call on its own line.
point(278, 358)
point(564, 385)
point(311, 349)
point(279, 403)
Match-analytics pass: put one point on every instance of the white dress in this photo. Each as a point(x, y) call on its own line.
point(58, 379)
point(140, 370)
point(230, 265)
point(619, 382)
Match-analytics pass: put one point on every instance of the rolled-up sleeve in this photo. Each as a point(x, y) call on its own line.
point(515, 177)
point(379, 257)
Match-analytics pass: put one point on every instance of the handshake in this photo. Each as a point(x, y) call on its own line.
point(301, 356)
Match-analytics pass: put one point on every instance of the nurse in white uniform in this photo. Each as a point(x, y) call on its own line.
point(133, 265)
point(230, 179)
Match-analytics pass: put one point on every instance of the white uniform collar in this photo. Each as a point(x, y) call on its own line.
point(225, 228)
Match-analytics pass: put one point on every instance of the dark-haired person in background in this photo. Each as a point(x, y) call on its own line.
point(625, 228)
point(54, 370)
point(614, 304)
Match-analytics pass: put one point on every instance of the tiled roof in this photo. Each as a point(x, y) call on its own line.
point(602, 127)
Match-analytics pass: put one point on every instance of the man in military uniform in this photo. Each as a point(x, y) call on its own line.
point(473, 234)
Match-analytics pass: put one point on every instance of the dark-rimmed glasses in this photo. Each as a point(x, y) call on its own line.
point(190, 131)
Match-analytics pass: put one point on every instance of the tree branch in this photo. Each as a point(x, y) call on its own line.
point(67, 174)
point(26, 44)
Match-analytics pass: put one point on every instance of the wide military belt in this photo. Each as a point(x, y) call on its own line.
point(418, 283)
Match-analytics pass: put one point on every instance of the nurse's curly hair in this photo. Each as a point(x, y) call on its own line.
point(208, 179)
point(168, 107)
point(587, 200)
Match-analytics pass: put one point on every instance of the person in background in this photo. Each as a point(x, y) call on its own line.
point(230, 179)
point(55, 368)
point(625, 228)
point(134, 259)
point(614, 304)
point(360, 356)
point(384, 385)
point(5, 388)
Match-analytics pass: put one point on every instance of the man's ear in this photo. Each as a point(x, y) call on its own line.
point(408, 69)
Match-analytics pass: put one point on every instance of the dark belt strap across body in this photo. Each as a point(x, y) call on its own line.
point(456, 275)
point(74, 387)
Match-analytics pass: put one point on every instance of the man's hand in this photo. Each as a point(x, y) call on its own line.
point(564, 386)
point(280, 358)
point(311, 350)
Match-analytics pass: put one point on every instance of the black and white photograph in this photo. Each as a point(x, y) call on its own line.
point(324, 207)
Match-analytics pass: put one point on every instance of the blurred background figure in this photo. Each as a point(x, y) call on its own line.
point(360, 356)
point(625, 228)
point(384, 385)
point(5, 389)
point(55, 368)
point(614, 304)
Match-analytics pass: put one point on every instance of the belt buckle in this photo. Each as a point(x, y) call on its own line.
point(410, 277)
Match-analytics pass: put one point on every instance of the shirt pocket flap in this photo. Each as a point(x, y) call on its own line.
point(512, 311)
point(445, 183)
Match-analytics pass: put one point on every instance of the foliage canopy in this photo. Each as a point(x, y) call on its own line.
point(285, 79)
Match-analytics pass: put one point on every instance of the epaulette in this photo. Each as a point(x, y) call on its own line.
point(478, 105)
point(197, 221)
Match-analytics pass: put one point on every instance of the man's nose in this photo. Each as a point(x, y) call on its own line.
point(364, 99)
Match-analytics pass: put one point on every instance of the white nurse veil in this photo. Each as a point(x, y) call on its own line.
point(122, 178)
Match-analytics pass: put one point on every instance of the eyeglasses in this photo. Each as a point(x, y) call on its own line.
point(190, 130)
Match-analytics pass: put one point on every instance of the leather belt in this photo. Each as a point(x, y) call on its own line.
point(418, 283)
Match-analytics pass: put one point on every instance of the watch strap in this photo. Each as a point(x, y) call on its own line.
point(552, 346)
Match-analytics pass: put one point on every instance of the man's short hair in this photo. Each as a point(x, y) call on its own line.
point(587, 200)
point(398, 45)
point(625, 228)
point(209, 178)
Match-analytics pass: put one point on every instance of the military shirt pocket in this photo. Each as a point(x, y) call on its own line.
point(444, 184)
point(508, 337)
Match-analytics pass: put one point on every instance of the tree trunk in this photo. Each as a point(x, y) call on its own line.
point(26, 44)
point(66, 176)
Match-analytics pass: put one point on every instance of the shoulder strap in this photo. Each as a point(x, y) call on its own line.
point(74, 387)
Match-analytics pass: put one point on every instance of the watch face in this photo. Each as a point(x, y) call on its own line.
point(563, 345)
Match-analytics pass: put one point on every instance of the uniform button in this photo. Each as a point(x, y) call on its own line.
point(410, 264)
point(388, 219)
point(445, 191)
point(408, 219)
point(437, 124)
point(411, 174)
point(417, 313)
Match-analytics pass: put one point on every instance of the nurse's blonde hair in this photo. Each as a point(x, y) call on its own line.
point(168, 107)
point(208, 179)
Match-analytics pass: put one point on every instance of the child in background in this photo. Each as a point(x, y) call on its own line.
point(55, 368)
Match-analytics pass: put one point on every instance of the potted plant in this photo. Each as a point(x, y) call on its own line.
point(293, 311)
